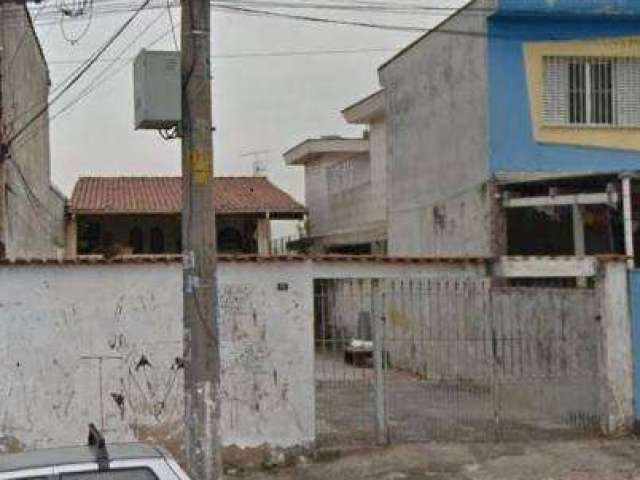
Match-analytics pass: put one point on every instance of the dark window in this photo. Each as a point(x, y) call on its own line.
point(229, 240)
point(92, 232)
point(157, 240)
point(601, 93)
point(108, 239)
point(578, 92)
point(119, 474)
point(136, 240)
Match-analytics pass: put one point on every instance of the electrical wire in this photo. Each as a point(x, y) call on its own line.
point(103, 8)
point(33, 198)
point(267, 54)
point(55, 90)
point(79, 75)
point(101, 77)
point(173, 28)
point(93, 87)
point(80, 12)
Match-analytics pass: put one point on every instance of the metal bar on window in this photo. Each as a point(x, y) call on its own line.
point(587, 91)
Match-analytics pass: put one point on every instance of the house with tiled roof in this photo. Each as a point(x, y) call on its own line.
point(142, 215)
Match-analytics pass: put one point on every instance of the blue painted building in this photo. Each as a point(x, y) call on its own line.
point(573, 29)
point(542, 102)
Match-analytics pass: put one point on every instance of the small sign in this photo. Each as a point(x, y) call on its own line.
point(283, 287)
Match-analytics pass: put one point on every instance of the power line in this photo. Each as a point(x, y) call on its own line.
point(54, 91)
point(268, 54)
point(101, 77)
point(33, 198)
point(78, 12)
point(173, 28)
point(79, 75)
point(103, 8)
point(307, 18)
point(85, 92)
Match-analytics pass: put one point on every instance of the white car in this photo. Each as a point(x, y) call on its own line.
point(96, 461)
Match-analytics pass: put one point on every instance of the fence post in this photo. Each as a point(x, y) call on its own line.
point(616, 360)
point(378, 317)
point(495, 364)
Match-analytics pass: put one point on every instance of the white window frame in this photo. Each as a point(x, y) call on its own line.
point(556, 92)
point(588, 93)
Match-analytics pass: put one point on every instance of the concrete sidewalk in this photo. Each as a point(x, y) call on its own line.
point(579, 460)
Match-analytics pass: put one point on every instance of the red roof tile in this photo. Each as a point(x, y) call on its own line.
point(251, 258)
point(139, 195)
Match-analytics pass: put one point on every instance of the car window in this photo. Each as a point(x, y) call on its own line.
point(119, 474)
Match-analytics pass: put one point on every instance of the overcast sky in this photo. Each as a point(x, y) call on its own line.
point(261, 103)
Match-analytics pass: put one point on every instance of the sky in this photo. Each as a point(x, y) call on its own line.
point(260, 103)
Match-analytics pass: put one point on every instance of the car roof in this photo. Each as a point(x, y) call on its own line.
point(72, 455)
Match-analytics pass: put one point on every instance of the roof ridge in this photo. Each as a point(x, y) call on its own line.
point(133, 177)
point(162, 194)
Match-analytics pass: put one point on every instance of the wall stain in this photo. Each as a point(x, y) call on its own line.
point(119, 400)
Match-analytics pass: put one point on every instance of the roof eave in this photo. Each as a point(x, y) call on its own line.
point(432, 30)
point(312, 148)
point(82, 211)
point(279, 212)
point(366, 110)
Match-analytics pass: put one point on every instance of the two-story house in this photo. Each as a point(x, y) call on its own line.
point(345, 184)
point(514, 128)
point(31, 209)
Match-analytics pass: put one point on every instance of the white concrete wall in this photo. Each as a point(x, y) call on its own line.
point(351, 215)
point(31, 225)
point(59, 324)
point(436, 111)
point(379, 165)
point(317, 197)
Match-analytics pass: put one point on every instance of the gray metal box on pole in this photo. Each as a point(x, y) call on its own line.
point(157, 90)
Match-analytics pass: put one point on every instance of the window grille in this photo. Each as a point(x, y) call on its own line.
point(591, 91)
point(341, 176)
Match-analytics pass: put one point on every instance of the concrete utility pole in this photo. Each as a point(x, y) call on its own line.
point(201, 329)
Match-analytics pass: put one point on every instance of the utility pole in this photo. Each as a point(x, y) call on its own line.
point(200, 297)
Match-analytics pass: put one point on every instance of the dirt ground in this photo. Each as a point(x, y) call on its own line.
point(574, 460)
point(420, 410)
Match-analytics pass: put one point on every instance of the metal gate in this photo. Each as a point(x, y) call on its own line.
point(454, 359)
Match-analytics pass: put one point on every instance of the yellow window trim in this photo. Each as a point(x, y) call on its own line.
point(623, 138)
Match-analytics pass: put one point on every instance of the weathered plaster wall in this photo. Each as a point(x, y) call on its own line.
point(379, 165)
point(349, 209)
point(617, 352)
point(103, 344)
point(459, 224)
point(436, 114)
point(31, 226)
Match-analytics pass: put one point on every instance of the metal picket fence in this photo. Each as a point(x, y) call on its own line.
point(454, 359)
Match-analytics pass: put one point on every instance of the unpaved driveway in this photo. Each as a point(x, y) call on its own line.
point(580, 460)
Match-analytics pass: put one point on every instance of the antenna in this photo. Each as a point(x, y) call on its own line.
point(259, 165)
